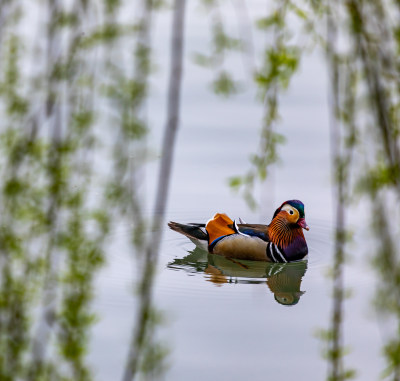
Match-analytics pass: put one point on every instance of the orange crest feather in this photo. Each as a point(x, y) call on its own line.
point(218, 227)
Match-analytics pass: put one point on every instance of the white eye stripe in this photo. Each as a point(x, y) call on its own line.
point(289, 209)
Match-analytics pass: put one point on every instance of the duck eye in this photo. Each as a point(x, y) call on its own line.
point(291, 212)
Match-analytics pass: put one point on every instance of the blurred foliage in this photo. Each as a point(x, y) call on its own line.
point(222, 46)
point(279, 62)
point(365, 106)
point(60, 87)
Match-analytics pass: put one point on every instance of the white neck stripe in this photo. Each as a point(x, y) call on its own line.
point(280, 254)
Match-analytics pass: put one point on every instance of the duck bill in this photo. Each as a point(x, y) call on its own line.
point(302, 222)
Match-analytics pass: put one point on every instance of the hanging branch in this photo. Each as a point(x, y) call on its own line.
point(335, 344)
point(144, 312)
point(341, 154)
point(281, 61)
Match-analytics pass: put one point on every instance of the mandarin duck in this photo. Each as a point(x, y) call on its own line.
point(280, 241)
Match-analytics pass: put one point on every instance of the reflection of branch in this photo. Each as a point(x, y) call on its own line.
point(141, 329)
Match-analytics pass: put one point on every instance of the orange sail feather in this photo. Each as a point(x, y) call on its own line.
point(218, 227)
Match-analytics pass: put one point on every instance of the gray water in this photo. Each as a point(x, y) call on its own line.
point(230, 326)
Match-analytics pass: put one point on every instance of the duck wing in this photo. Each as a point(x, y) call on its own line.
point(254, 230)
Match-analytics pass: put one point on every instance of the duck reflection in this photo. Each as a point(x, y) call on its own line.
point(282, 279)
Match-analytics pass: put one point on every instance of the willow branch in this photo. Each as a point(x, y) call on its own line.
point(152, 247)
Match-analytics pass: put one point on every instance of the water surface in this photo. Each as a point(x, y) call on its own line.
point(241, 321)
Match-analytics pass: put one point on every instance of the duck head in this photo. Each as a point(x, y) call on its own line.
point(292, 212)
point(286, 230)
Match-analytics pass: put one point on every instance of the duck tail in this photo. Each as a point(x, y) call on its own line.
point(192, 231)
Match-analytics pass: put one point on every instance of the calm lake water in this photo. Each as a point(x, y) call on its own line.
point(222, 320)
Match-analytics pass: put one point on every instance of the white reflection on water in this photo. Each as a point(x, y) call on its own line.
point(238, 331)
